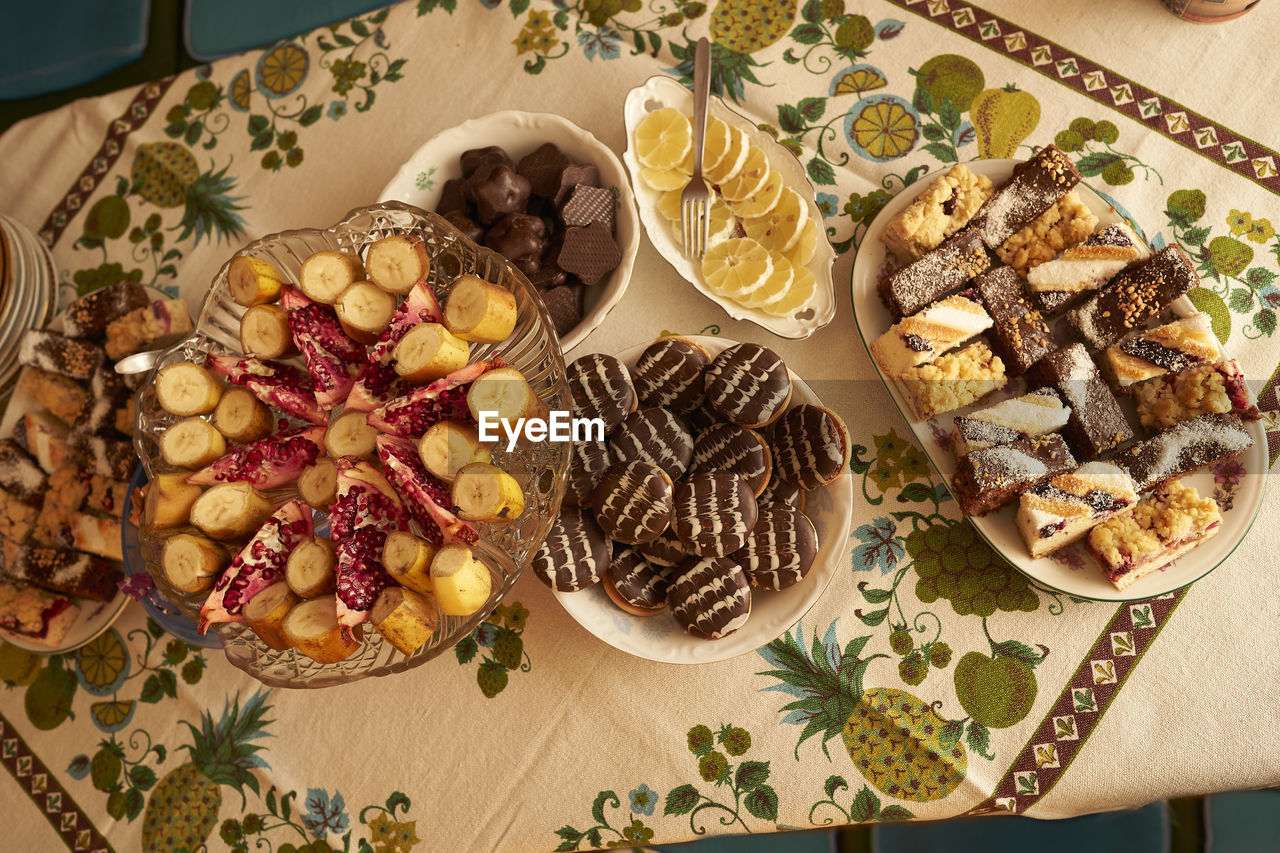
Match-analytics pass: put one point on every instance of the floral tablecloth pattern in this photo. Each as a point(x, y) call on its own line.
point(929, 681)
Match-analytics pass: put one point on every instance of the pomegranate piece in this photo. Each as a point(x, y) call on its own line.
point(267, 463)
point(280, 385)
point(366, 510)
point(424, 494)
point(332, 357)
point(410, 415)
point(375, 384)
point(258, 565)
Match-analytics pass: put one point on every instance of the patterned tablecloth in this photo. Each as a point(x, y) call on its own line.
point(536, 736)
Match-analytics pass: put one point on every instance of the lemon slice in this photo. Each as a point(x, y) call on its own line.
point(752, 176)
point(762, 200)
point(723, 224)
point(806, 247)
point(796, 297)
point(774, 288)
point(734, 159)
point(663, 138)
point(780, 229)
point(663, 179)
point(669, 204)
point(716, 145)
point(737, 265)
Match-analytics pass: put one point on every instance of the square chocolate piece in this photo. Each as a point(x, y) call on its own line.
point(1133, 298)
point(1020, 334)
point(1035, 185)
point(1097, 424)
point(988, 479)
point(939, 273)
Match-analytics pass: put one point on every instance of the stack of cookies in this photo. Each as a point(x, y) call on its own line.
point(695, 498)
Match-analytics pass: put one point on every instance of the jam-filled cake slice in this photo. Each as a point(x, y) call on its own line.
point(1064, 508)
point(941, 210)
point(1176, 397)
point(1157, 531)
point(1170, 348)
point(925, 335)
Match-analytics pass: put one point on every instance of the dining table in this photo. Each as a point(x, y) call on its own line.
point(929, 681)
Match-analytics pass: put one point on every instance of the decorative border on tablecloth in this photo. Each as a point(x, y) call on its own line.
point(1157, 112)
point(134, 116)
point(62, 812)
point(1078, 710)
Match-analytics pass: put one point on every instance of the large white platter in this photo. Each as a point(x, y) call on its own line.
point(1072, 570)
point(659, 638)
point(659, 92)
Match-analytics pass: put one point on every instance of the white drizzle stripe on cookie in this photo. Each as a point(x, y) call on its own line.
point(711, 598)
point(669, 374)
point(748, 384)
point(637, 505)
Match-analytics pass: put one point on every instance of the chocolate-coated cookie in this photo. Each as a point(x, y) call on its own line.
point(710, 597)
point(748, 384)
point(810, 446)
point(669, 374)
point(653, 435)
point(780, 491)
point(587, 462)
point(780, 549)
point(601, 388)
point(635, 584)
point(633, 502)
point(666, 551)
point(733, 448)
point(575, 554)
point(714, 512)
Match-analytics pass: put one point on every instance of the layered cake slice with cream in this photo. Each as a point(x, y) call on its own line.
point(1082, 269)
point(924, 336)
point(1031, 415)
point(1061, 510)
point(1157, 531)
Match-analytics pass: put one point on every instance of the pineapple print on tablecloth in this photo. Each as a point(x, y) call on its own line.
point(184, 806)
point(738, 29)
point(167, 175)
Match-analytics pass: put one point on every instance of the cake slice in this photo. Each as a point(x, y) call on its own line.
point(88, 316)
point(20, 476)
point(1157, 531)
point(1029, 416)
point(56, 353)
point(1184, 448)
point(1036, 184)
point(1080, 270)
point(1133, 298)
point(988, 479)
point(35, 614)
point(61, 570)
point(45, 438)
point(148, 325)
point(64, 398)
point(16, 518)
point(943, 271)
point(1020, 335)
point(1062, 509)
point(952, 380)
point(941, 210)
point(1165, 349)
point(921, 337)
point(107, 457)
point(1097, 423)
point(1176, 397)
point(1068, 221)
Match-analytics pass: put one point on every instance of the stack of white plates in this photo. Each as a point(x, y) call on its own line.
point(28, 292)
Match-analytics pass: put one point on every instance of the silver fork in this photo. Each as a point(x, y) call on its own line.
point(695, 201)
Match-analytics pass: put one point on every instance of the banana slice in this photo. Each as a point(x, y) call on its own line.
point(480, 311)
point(484, 492)
point(408, 560)
point(242, 417)
point(318, 484)
point(191, 443)
point(461, 582)
point(350, 435)
point(230, 511)
point(190, 563)
point(404, 618)
point(364, 311)
point(266, 612)
point(447, 446)
point(253, 281)
point(264, 332)
point(325, 275)
point(504, 394)
point(309, 569)
point(312, 626)
point(186, 389)
point(430, 351)
point(396, 263)
point(169, 501)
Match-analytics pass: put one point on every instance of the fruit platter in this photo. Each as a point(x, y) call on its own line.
point(299, 506)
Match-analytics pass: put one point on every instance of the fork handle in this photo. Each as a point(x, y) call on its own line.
point(701, 88)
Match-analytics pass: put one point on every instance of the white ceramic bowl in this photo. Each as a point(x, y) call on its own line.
point(421, 178)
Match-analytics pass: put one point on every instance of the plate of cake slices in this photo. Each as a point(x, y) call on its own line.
point(714, 513)
point(65, 462)
point(1081, 411)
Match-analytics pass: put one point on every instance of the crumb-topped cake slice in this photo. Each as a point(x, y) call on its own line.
point(1157, 531)
point(941, 210)
point(1184, 448)
point(1062, 509)
point(1080, 270)
point(952, 380)
point(1067, 222)
point(935, 275)
point(1031, 415)
point(924, 335)
point(1097, 423)
point(1034, 187)
point(988, 479)
point(35, 614)
point(1176, 397)
point(1170, 348)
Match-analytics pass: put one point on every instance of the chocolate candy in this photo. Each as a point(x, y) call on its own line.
point(710, 597)
point(562, 305)
point(585, 174)
point(1134, 297)
point(1096, 424)
point(587, 462)
point(470, 229)
point(497, 190)
point(635, 584)
point(589, 252)
point(518, 237)
point(1036, 184)
point(587, 205)
point(937, 274)
point(748, 384)
point(1021, 335)
point(474, 158)
point(665, 551)
point(811, 446)
point(714, 512)
point(655, 436)
point(736, 449)
point(601, 388)
point(453, 197)
point(543, 166)
point(633, 502)
point(780, 549)
point(669, 374)
point(575, 554)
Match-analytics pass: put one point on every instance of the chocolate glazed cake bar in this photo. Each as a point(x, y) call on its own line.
point(1035, 185)
point(988, 479)
point(1097, 423)
point(1184, 448)
point(939, 273)
point(1133, 297)
point(1020, 335)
